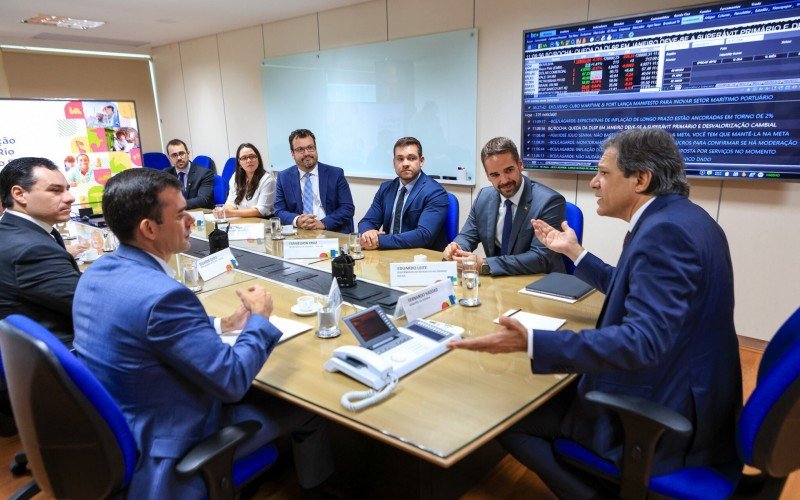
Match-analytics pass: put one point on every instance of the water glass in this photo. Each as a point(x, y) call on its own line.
point(469, 283)
point(355, 246)
point(219, 213)
point(191, 276)
point(275, 228)
point(328, 321)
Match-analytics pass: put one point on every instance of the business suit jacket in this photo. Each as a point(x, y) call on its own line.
point(37, 276)
point(665, 333)
point(334, 192)
point(199, 185)
point(153, 347)
point(422, 219)
point(527, 255)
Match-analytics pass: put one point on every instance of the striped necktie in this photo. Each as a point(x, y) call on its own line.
point(308, 195)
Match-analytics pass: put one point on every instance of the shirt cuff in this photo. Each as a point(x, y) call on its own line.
point(218, 325)
point(580, 257)
point(530, 344)
point(294, 221)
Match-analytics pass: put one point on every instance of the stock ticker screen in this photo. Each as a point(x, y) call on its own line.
point(724, 79)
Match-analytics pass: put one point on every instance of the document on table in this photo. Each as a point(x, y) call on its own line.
point(534, 321)
point(288, 327)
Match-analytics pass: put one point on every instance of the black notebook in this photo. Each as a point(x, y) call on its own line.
point(560, 286)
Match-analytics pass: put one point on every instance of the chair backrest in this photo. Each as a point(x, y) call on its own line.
point(76, 438)
point(228, 170)
point(769, 425)
point(574, 218)
point(156, 160)
point(451, 222)
point(205, 162)
point(220, 190)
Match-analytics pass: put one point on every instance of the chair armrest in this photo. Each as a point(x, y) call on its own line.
point(214, 458)
point(642, 408)
point(643, 424)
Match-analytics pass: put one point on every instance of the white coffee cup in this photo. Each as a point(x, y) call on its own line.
point(287, 229)
point(420, 258)
point(306, 303)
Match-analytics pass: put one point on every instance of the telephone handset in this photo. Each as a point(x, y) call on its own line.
point(366, 367)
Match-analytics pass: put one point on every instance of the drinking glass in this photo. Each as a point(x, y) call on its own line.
point(328, 320)
point(219, 213)
point(275, 228)
point(355, 246)
point(191, 275)
point(469, 282)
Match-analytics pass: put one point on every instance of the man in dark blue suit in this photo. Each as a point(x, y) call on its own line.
point(312, 195)
point(665, 332)
point(409, 211)
point(148, 340)
point(197, 183)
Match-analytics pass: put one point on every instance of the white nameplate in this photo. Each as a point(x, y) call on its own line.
point(246, 232)
point(321, 248)
point(430, 300)
point(421, 273)
point(216, 264)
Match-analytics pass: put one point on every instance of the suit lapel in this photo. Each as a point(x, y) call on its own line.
point(294, 197)
point(491, 222)
point(13, 220)
point(521, 217)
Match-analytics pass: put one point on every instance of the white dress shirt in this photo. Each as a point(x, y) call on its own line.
point(263, 198)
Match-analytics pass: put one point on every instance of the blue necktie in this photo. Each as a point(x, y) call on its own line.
point(398, 211)
point(182, 180)
point(506, 229)
point(308, 195)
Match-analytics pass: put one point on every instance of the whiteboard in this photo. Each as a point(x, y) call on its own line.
point(359, 100)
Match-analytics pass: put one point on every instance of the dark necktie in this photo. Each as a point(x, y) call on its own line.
point(398, 210)
point(506, 229)
point(58, 238)
point(182, 180)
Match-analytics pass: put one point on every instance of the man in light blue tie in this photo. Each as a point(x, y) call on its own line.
point(500, 218)
point(312, 195)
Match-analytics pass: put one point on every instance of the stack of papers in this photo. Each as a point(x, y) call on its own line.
point(534, 321)
point(288, 327)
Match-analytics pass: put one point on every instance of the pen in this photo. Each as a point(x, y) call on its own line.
point(513, 313)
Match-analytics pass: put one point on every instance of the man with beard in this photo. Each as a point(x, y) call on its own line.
point(197, 183)
point(312, 195)
point(500, 218)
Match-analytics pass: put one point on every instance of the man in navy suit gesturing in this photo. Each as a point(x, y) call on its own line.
point(312, 195)
point(410, 209)
point(665, 332)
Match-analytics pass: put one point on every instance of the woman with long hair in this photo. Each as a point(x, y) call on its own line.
point(252, 188)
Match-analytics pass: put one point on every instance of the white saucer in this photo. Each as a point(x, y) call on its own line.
point(88, 260)
point(289, 234)
point(298, 312)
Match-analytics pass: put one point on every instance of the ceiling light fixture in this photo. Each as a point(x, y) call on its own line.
point(63, 22)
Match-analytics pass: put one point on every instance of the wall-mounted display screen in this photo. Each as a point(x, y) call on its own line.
point(724, 79)
point(89, 140)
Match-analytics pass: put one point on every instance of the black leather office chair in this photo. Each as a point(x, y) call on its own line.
point(767, 433)
point(75, 436)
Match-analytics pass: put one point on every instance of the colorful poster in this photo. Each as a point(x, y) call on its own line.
point(89, 140)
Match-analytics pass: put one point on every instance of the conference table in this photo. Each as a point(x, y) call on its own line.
point(443, 411)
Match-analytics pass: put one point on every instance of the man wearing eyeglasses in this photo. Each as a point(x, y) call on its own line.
point(197, 182)
point(312, 195)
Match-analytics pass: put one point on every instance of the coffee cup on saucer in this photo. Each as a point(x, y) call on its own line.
point(306, 306)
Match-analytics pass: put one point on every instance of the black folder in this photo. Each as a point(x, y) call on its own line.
point(560, 285)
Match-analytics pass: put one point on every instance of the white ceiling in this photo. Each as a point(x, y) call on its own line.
point(138, 25)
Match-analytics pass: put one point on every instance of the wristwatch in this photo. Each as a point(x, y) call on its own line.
point(485, 269)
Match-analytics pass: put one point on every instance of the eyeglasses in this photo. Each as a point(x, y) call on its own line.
point(248, 158)
point(180, 154)
point(307, 149)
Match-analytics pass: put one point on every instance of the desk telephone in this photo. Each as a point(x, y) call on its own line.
point(366, 367)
